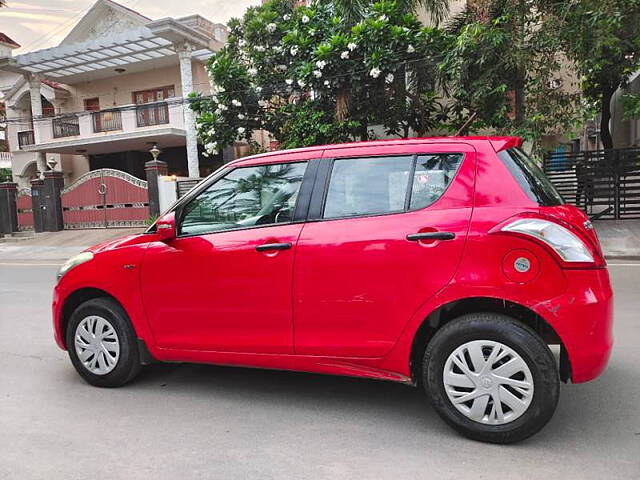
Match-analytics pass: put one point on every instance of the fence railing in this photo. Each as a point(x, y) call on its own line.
point(152, 114)
point(604, 183)
point(26, 138)
point(66, 127)
point(106, 121)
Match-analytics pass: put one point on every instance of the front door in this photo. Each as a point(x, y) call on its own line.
point(388, 235)
point(224, 284)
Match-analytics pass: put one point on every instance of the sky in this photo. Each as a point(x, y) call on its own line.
point(37, 24)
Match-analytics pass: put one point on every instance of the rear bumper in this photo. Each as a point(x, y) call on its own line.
point(583, 319)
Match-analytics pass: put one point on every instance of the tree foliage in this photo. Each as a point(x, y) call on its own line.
point(285, 65)
point(601, 38)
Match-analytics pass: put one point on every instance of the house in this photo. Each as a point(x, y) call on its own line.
point(114, 87)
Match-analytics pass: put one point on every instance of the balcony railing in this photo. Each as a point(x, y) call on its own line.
point(106, 121)
point(66, 127)
point(26, 138)
point(152, 114)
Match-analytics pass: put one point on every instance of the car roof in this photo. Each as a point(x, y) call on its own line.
point(498, 144)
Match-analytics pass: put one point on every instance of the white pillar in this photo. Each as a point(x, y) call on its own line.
point(35, 82)
point(184, 54)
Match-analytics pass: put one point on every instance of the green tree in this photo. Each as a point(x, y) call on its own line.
point(501, 71)
point(601, 37)
point(308, 76)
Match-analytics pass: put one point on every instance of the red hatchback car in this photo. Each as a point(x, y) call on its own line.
point(448, 263)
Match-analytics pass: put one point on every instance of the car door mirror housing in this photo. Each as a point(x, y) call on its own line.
point(166, 227)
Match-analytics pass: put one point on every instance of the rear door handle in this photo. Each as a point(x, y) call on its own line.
point(416, 237)
point(273, 246)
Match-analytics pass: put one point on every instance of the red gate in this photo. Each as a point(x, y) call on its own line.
point(105, 198)
point(25, 209)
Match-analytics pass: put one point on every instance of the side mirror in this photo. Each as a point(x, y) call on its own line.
point(166, 227)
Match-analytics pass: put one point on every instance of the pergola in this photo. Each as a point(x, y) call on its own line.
point(93, 59)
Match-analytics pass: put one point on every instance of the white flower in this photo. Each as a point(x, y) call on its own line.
point(317, 73)
point(262, 103)
point(223, 108)
point(289, 81)
point(383, 18)
point(211, 131)
point(258, 89)
point(282, 68)
point(236, 103)
point(344, 55)
point(294, 50)
point(305, 19)
point(220, 90)
point(389, 78)
point(271, 27)
point(410, 49)
point(321, 64)
point(241, 116)
point(375, 72)
point(327, 83)
point(259, 48)
point(352, 46)
point(205, 154)
point(277, 49)
point(214, 99)
point(241, 130)
point(252, 71)
point(286, 17)
point(301, 83)
point(242, 42)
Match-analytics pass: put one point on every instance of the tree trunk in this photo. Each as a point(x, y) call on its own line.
point(519, 101)
point(605, 117)
point(342, 104)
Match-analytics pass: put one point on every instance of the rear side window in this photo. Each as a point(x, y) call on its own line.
point(379, 185)
point(530, 177)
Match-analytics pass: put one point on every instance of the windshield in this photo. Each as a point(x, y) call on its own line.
point(531, 178)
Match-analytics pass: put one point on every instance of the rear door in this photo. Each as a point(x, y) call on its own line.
point(386, 231)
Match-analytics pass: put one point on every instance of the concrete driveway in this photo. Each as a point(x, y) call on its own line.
point(188, 421)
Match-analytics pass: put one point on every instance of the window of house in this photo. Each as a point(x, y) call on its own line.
point(154, 94)
point(245, 197)
point(379, 185)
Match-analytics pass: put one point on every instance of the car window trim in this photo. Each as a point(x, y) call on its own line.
point(308, 177)
point(321, 187)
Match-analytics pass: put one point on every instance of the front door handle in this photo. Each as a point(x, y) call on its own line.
point(273, 246)
point(416, 237)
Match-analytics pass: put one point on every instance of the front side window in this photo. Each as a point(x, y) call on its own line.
point(245, 197)
point(379, 185)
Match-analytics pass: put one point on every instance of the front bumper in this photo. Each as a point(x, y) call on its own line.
point(583, 319)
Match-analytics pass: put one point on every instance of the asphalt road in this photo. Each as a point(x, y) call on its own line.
point(188, 421)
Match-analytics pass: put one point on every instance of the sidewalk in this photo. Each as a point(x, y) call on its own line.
point(619, 238)
point(56, 247)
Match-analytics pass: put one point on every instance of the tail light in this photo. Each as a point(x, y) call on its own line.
point(568, 246)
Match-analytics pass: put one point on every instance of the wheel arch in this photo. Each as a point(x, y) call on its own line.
point(452, 310)
point(77, 298)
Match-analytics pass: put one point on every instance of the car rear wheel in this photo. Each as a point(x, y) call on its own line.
point(102, 344)
point(491, 378)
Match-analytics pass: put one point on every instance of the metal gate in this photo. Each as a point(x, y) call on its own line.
point(24, 206)
point(604, 183)
point(105, 198)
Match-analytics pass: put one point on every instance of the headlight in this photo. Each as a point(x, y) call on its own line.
point(566, 244)
point(74, 262)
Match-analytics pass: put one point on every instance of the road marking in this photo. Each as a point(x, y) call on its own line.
point(31, 264)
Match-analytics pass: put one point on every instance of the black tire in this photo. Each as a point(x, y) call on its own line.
point(525, 342)
point(128, 364)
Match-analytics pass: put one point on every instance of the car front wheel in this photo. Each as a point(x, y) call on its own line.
point(102, 344)
point(491, 378)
